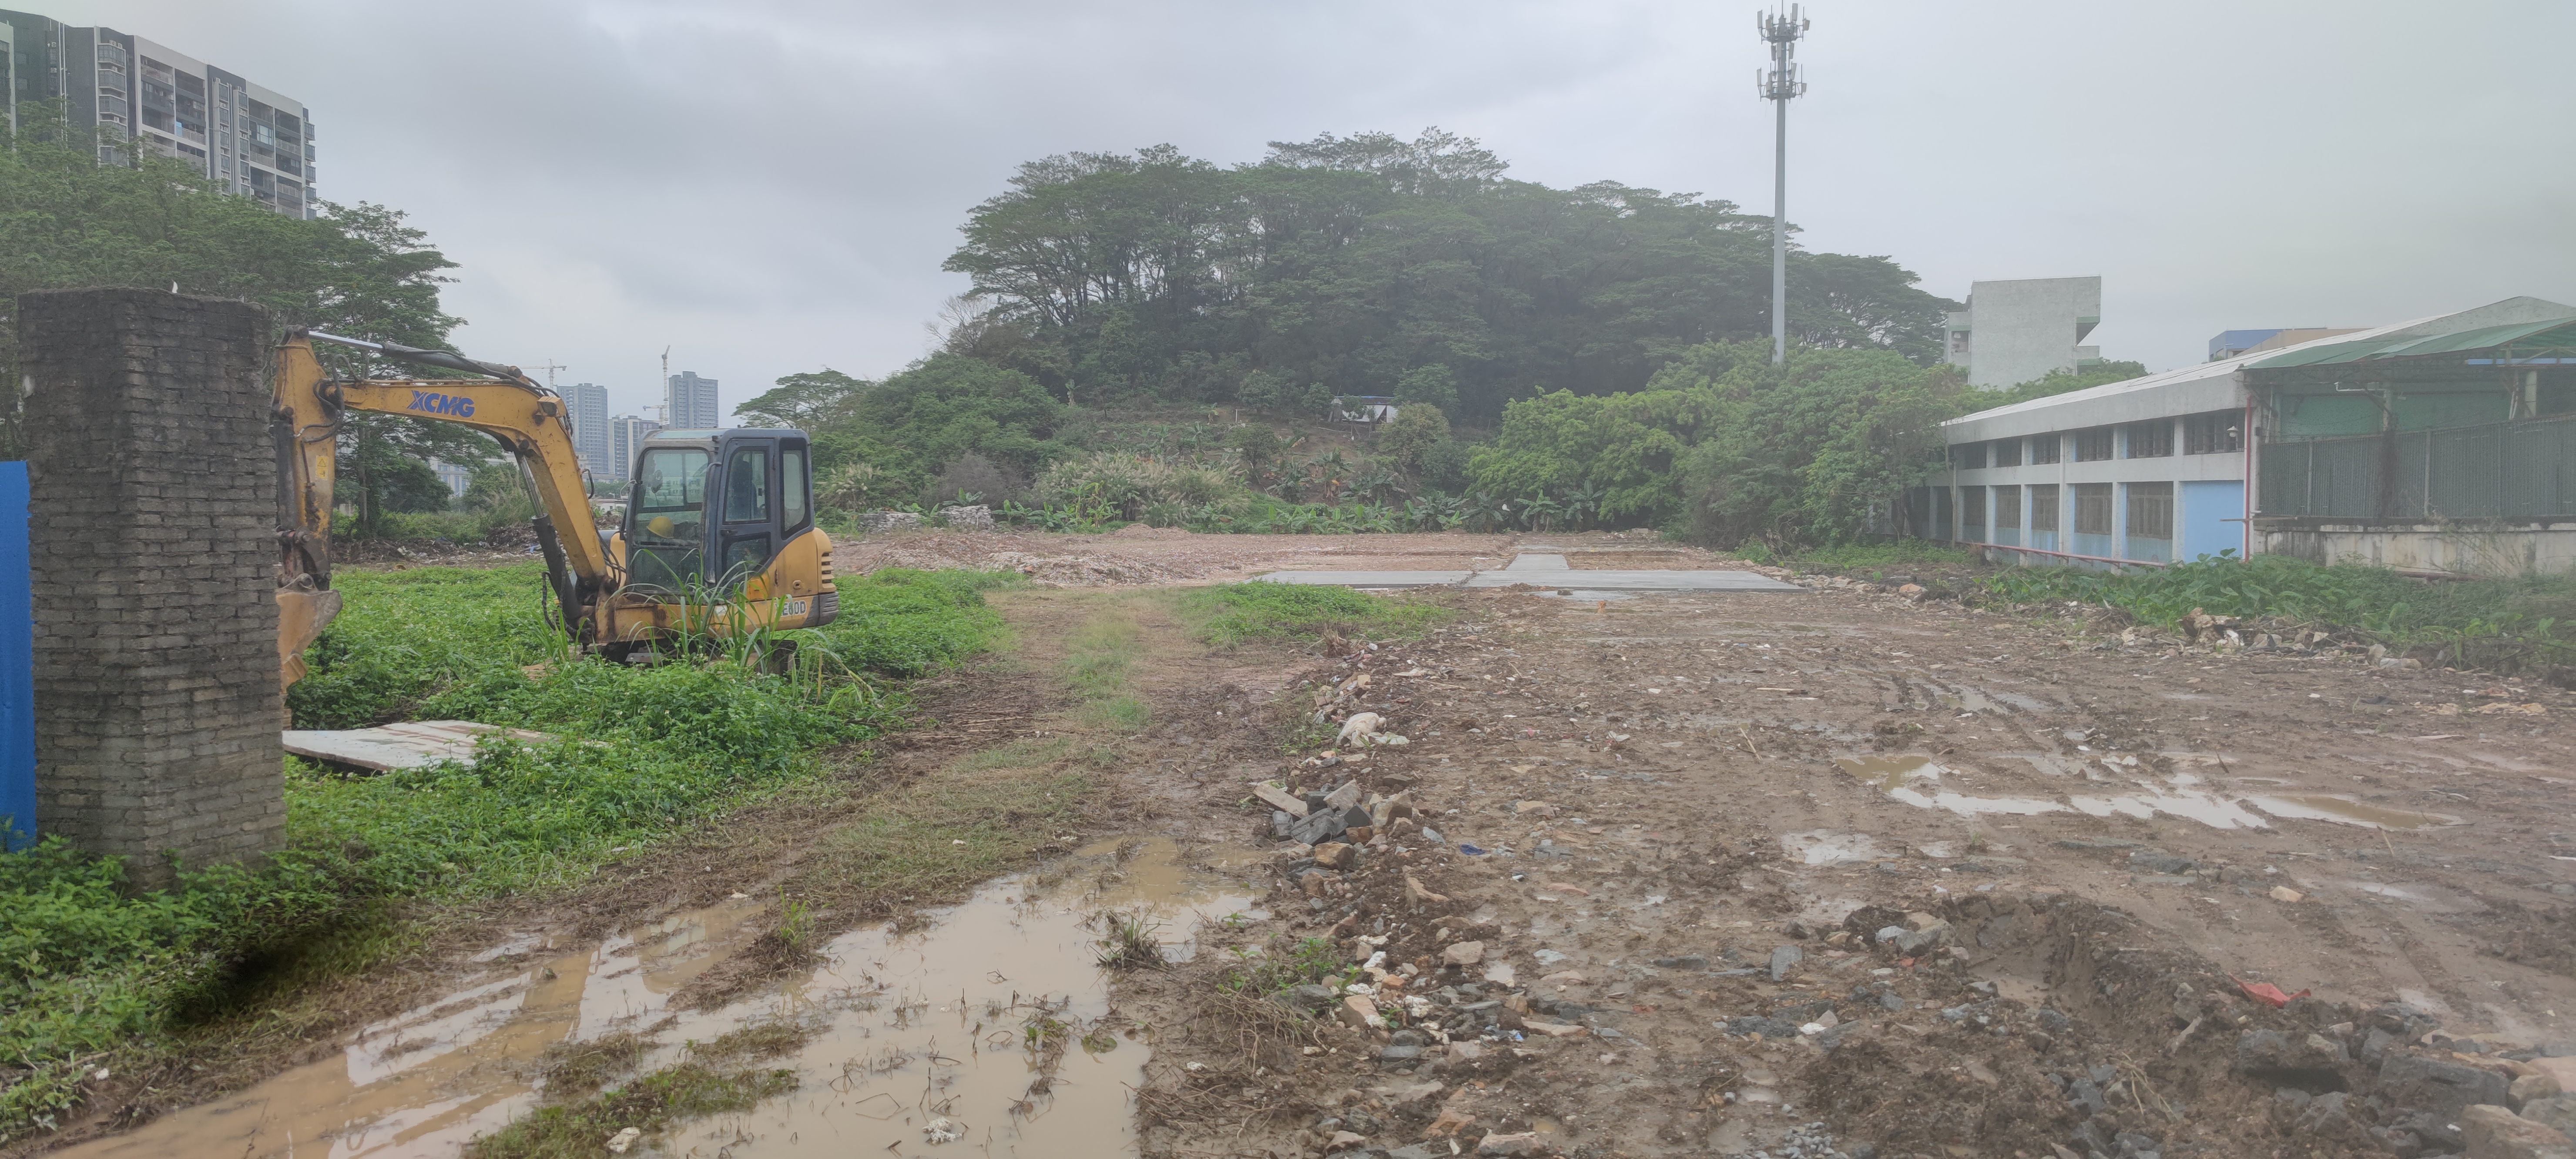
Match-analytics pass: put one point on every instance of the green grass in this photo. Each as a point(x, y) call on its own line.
point(2510, 625)
point(650, 1104)
point(90, 968)
point(1100, 656)
point(1230, 614)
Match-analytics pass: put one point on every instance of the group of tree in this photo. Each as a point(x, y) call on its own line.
point(69, 219)
point(1373, 266)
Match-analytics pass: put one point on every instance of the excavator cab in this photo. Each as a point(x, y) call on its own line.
point(719, 512)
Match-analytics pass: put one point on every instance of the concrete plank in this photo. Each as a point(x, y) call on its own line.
point(1367, 579)
point(1537, 561)
point(1642, 581)
point(1602, 581)
point(409, 745)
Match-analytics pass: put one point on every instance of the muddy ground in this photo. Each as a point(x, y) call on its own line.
point(1844, 871)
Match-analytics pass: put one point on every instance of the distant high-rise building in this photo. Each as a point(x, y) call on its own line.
point(2016, 331)
point(692, 402)
point(625, 441)
point(252, 141)
point(456, 477)
point(589, 405)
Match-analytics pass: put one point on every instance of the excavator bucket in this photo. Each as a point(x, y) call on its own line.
point(301, 616)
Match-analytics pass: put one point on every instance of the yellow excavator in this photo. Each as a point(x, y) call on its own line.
point(718, 537)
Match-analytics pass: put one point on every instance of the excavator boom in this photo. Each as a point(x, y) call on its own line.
point(309, 409)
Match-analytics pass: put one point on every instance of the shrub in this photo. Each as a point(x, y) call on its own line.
point(1417, 428)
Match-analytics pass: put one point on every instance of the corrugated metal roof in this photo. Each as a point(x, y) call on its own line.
point(2365, 349)
point(2399, 334)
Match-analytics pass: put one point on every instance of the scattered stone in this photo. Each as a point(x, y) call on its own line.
point(1337, 855)
point(2099, 843)
point(1399, 1052)
point(1463, 953)
point(2557, 1113)
point(1345, 1140)
point(1684, 962)
point(874, 522)
point(1310, 997)
point(2444, 1088)
point(2531, 1088)
point(2495, 1133)
point(1359, 1013)
point(1520, 1143)
point(2308, 1062)
point(2157, 861)
point(1783, 957)
point(2283, 893)
point(1450, 1121)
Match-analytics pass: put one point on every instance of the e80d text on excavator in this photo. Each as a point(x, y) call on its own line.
point(718, 537)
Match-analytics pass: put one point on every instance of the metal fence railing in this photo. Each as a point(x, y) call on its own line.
point(2511, 470)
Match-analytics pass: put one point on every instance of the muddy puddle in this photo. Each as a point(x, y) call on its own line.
point(988, 1026)
point(2116, 789)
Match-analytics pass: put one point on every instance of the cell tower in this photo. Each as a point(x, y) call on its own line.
point(1780, 84)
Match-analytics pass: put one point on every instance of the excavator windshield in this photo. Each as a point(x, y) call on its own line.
point(669, 517)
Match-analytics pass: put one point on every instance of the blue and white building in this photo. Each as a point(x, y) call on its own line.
point(2444, 445)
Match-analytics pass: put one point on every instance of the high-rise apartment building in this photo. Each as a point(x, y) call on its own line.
point(251, 141)
point(588, 403)
point(625, 441)
point(692, 402)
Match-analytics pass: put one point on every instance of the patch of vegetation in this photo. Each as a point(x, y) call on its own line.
point(1128, 940)
point(2507, 625)
point(1229, 614)
point(579, 1069)
point(648, 1104)
point(1272, 969)
point(90, 968)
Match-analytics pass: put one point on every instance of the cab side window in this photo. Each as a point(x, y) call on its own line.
point(747, 487)
point(793, 486)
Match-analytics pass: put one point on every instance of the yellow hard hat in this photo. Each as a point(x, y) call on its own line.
point(659, 525)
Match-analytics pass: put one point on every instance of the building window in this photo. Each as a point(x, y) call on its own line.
point(2043, 507)
point(2151, 440)
point(2092, 509)
point(2092, 446)
point(2150, 510)
point(2007, 508)
point(2215, 433)
point(2043, 448)
point(1967, 456)
point(2008, 452)
point(1972, 511)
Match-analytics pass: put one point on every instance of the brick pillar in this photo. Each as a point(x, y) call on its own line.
point(152, 549)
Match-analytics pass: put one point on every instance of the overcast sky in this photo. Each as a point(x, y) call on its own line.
point(768, 186)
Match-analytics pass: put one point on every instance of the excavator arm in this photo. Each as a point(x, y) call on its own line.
point(309, 409)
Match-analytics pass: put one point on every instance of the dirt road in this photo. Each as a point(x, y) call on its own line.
point(1835, 872)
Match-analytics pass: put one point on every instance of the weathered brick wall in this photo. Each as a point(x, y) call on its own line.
point(152, 536)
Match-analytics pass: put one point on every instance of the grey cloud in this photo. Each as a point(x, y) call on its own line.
point(770, 187)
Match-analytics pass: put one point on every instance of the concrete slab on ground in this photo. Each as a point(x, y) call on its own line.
point(1537, 561)
point(409, 745)
point(1603, 581)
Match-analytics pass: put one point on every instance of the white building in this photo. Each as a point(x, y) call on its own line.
point(625, 441)
point(2440, 445)
point(2013, 332)
point(252, 141)
point(588, 403)
point(692, 403)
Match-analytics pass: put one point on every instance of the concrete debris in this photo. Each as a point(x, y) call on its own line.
point(619, 1142)
point(976, 518)
point(879, 522)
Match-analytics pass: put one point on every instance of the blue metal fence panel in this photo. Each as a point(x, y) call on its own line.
point(17, 666)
